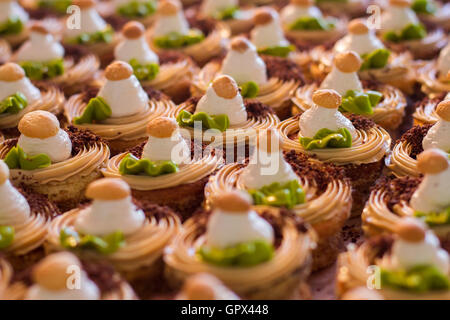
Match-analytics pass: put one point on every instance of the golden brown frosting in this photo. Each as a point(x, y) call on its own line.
point(292, 254)
point(126, 128)
point(369, 146)
point(171, 74)
point(388, 113)
point(352, 273)
point(82, 164)
point(235, 133)
point(78, 73)
point(273, 93)
point(431, 83)
point(141, 249)
point(52, 100)
point(189, 172)
point(400, 161)
point(318, 207)
point(426, 113)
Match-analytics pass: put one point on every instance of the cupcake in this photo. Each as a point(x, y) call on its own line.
point(382, 103)
point(119, 12)
point(378, 63)
point(269, 80)
point(317, 192)
point(401, 30)
point(222, 117)
point(435, 76)
point(305, 23)
point(264, 255)
point(52, 161)
point(24, 221)
point(409, 265)
point(119, 111)
point(172, 72)
point(353, 142)
point(93, 34)
point(19, 96)
point(238, 19)
point(172, 31)
point(128, 234)
point(45, 60)
point(62, 276)
point(13, 22)
point(425, 112)
point(432, 13)
point(204, 286)
point(403, 159)
point(167, 169)
point(352, 8)
point(268, 35)
point(426, 198)
point(39, 9)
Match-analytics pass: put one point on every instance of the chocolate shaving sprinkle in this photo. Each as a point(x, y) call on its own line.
point(205, 25)
point(81, 139)
point(382, 244)
point(321, 173)
point(76, 52)
point(397, 189)
point(103, 275)
point(360, 122)
point(171, 56)
point(257, 110)
point(154, 94)
point(153, 210)
point(414, 137)
point(89, 92)
point(39, 203)
point(283, 69)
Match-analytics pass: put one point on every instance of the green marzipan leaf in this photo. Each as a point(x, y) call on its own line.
point(410, 32)
point(70, 239)
point(96, 110)
point(57, 5)
point(287, 195)
point(220, 122)
point(175, 40)
point(144, 72)
point(434, 218)
point(249, 89)
point(137, 9)
point(13, 104)
point(16, 158)
point(279, 51)
point(311, 23)
point(6, 236)
point(241, 255)
point(104, 36)
point(12, 26)
point(375, 60)
point(424, 7)
point(36, 70)
point(326, 138)
point(359, 102)
point(131, 165)
point(228, 13)
point(420, 279)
